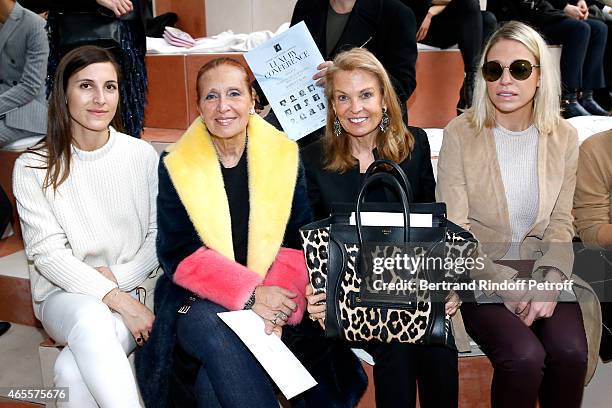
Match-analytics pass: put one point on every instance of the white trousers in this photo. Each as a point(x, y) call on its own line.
point(93, 363)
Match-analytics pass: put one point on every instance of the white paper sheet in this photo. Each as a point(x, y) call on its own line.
point(279, 362)
point(284, 66)
point(386, 219)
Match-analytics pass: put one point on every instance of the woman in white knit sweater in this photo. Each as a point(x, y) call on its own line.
point(86, 199)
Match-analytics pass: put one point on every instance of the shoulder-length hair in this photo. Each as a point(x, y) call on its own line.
point(547, 100)
point(395, 144)
point(55, 148)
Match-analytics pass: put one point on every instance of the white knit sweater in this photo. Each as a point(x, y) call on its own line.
point(517, 155)
point(104, 214)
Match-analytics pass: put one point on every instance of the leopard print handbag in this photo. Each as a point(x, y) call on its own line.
point(334, 259)
point(363, 322)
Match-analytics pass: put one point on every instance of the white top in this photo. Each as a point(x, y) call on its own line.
point(103, 214)
point(517, 155)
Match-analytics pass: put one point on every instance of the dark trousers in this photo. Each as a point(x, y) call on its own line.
point(6, 211)
point(398, 367)
point(462, 23)
point(229, 375)
point(547, 360)
point(584, 44)
point(608, 57)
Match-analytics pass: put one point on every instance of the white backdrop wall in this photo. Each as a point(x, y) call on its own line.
point(246, 16)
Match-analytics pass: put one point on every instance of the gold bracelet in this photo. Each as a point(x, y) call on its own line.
point(112, 300)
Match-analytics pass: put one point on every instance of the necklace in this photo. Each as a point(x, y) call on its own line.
point(228, 164)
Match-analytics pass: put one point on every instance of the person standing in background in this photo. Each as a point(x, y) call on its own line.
point(444, 23)
point(130, 52)
point(386, 28)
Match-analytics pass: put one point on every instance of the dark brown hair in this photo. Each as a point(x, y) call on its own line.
point(55, 148)
point(217, 62)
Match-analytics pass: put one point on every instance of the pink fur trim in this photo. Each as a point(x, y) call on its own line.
point(289, 271)
point(212, 276)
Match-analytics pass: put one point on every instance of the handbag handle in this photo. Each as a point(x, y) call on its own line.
point(382, 162)
point(388, 178)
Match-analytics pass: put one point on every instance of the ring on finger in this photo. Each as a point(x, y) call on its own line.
point(282, 315)
point(313, 318)
point(274, 320)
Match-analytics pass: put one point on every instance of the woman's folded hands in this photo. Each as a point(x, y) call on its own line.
point(279, 297)
point(136, 316)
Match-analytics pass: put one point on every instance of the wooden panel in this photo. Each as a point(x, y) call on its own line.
point(16, 301)
point(369, 399)
point(475, 374)
point(191, 14)
point(172, 92)
point(194, 62)
point(162, 135)
point(12, 244)
point(167, 98)
point(9, 403)
point(439, 78)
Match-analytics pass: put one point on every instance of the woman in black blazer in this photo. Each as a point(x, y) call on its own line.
point(326, 187)
point(364, 122)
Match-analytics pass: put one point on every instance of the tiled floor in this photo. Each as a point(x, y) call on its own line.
point(19, 361)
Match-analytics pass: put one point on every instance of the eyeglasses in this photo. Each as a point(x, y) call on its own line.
point(519, 69)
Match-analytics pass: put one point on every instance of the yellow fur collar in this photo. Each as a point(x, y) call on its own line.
point(272, 166)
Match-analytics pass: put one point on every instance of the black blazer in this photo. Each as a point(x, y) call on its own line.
point(386, 27)
point(327, 187)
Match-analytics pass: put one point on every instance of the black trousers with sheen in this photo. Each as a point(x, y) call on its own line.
point(399, 366)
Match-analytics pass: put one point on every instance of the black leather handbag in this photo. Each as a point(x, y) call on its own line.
point(340, 261)
point(87, 28)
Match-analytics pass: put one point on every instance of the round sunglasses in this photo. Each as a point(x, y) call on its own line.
point(519, 69)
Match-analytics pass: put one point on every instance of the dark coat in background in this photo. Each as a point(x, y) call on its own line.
point(387, 28)
point(535, 13)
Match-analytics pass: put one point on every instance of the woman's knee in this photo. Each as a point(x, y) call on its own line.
point(526, 360)
point(598, 32)
point(201, 325)
point(568, 352)
point(570, 357)
point(489, 24)
point(580, 31)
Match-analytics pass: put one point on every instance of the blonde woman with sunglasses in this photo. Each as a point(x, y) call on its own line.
point(507, 171)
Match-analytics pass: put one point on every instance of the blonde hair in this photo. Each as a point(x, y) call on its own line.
point(547, 100)
point(395, 144)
